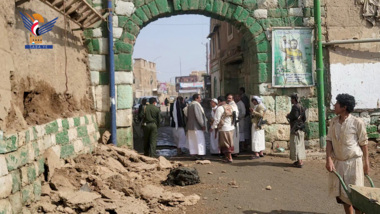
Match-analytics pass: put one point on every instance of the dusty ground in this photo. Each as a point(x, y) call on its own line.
point(240, 187)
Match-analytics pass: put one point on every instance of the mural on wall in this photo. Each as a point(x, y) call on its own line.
point(292, 59)
point(163, 89)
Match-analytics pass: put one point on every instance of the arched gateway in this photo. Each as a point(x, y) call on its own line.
point(253, 18)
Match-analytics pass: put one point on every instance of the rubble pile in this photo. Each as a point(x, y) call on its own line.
point(110, 180)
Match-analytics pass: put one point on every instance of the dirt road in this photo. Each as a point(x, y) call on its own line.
point(240, 187)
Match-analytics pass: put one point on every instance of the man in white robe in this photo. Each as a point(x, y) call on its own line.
point(214, 145)
point(196, 125)
point(231, 102)
point(242, 113)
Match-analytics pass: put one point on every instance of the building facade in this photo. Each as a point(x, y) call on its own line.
point(145, 78)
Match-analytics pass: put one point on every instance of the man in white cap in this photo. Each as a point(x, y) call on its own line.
point(214, 146)
point(231, 102)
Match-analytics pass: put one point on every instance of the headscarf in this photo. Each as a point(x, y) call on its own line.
point(259, 101)
point(215, 101)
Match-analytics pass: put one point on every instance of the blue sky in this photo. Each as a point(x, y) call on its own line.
point(168, 40)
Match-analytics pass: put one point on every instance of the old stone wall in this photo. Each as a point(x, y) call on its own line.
point(38, 86)
point(251, 17)
point(22, 162)
point(353, 68)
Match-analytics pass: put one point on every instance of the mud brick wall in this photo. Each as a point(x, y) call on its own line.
point(22, 161)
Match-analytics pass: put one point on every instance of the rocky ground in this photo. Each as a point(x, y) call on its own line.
point(111, 180)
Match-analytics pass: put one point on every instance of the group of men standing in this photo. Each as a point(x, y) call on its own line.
point(232, 118)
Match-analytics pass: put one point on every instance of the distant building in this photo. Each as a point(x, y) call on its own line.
point(186, 86)
point(226, 58)
point(145, 78)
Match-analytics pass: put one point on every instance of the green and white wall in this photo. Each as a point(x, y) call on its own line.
point(22, 156)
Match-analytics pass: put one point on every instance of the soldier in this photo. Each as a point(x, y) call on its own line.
point(151, 121)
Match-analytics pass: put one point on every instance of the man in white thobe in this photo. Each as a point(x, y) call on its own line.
point(242, 113)
point(231, 102)
point(196, 125)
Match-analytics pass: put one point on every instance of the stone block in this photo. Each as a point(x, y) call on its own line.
point(277, 13)
point(260, 13)
point(71, 122)
point(124, 8)
point(124, 97)
point(28, 175)
point(6, 207)
point(47, 142)
point(78, 146)
point(9, 143)
point(16, 180)
point(266, 4)
point(162, 6)
point(101, 119)
point(94, 75)
point(82, 131)
point(375, 135)
point(308, 3)
point(122, 77)
point(31, 153)
point(270, 117)
point(102, 98)
point(103, 78)
point(371, 128)
point(62, 138)
point(40, 130)
point(97, 62)
point(312, 144)
point(153, 9)
point(122, 47)
point(312, 130)
point(311, 102)
point(81, 121)
point(123, 62)
point(57, 150)
point(3, 163)
point(21, 137)
point(277, 132)
point(51, 127)
point(375, 120)
point(17, 159)
point(103, 45)
point(97, 32)
point(124, 118)
point(311, 114)
point(90, 128)
point(5, 186)
point(308, 22)
point(27, 194)
point(117, 32)
point(67, 151)
point(280, 144)
point(125, 137)
point(266, 89)
point(16, 202)
point(37, 189)
point(283, 107)
point(295, 12)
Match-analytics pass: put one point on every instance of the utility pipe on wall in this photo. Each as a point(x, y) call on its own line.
point(320, 74)
point(112, 74)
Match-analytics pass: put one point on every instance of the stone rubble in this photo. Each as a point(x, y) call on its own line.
point(111, 180)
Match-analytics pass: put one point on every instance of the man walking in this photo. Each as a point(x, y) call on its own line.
point(347, 146)
point(151, 121)
point(296, 118)
point(196, 125)
point(223, 123)
point(235, 114)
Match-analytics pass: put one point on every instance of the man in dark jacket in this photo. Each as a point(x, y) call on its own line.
point(296, 119)
point(151, 121)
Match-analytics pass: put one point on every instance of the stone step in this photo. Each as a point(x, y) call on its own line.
point(310, 155)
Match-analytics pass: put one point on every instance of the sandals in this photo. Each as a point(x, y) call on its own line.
point(296, 164)
point(226, 161)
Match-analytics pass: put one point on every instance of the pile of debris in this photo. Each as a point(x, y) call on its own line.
point(110, 180)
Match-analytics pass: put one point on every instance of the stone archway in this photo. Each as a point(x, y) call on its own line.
point(251, 17)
